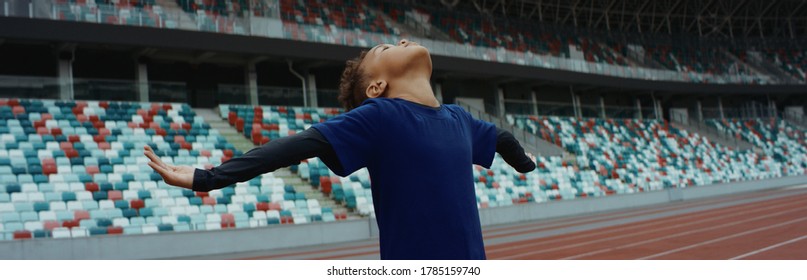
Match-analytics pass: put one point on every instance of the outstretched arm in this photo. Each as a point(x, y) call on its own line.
point(266, 158)
point(512, 152)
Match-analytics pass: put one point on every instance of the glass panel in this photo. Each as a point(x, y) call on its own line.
point(168, 92)
point(233, 94)
point(280, 96)
point(116, 90)
point(29, 87)
point(518, 107)
point(555, 109)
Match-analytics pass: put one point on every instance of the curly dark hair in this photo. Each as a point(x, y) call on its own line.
point(353, 83)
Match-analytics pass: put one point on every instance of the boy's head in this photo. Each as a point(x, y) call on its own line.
point(374, 71)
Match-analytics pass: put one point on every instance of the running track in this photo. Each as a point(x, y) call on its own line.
point(768, 224)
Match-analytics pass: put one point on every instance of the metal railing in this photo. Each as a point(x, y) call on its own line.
point(797, 120)
point(711, 132)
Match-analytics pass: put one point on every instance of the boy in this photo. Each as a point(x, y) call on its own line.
point(418, 153)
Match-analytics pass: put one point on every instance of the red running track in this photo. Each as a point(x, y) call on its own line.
point(760, 225)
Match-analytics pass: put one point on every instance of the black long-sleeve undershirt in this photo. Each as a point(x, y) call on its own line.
point(310, 143)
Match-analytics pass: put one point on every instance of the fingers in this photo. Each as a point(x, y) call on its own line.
point(153, 157)
point(165, 173)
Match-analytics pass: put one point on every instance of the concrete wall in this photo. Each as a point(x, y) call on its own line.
point(555, 209)
point(180, 244)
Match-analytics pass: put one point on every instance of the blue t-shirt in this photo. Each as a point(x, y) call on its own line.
point(420, 163)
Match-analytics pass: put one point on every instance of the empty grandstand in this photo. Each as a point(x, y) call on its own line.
point(623, 103)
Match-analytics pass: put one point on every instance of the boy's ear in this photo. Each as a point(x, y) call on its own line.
point(376, 89)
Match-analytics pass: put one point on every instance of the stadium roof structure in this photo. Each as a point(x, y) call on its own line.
point(704, 18)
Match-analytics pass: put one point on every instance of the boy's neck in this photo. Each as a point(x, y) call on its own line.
point(414, 90)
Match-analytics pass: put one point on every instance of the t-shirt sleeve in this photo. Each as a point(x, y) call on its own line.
point(352, 137)
point(483, 137)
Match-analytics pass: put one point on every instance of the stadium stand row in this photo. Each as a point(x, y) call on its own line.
point(74, 168)
point(649, 155)
point(777, 138)
point(614, 156)
point(370, 21)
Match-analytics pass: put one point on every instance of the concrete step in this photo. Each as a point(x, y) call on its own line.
point(715, 136)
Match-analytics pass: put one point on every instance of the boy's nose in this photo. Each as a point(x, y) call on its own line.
point(402, 42)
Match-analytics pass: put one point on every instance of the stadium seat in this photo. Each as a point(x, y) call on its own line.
point(61, 232)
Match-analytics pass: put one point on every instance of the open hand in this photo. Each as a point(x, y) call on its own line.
point(180, 176)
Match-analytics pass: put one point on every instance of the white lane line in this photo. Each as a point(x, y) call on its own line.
point(724, 238)
point(769, 248)
point(632, 227)
point(642, 232)
point(682, 233)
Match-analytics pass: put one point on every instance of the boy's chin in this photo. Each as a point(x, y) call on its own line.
point(419, 50)
point(419, 47)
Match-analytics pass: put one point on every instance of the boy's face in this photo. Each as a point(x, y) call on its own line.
point(390, 62)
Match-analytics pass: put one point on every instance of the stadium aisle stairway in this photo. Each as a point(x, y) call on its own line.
point(778, 139)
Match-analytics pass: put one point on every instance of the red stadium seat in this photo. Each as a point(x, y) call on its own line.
point(50, 225)
point(231, 117)
point(91, 187)
point(115, 195)
point(71, 153)
point(17, 110)
point(137, 204)
point(22, 234)
point(325, 184)
point(67, 145)
point(81, 215)
point(209, 201)
point(239, 125)
point(227, 220)
point(70, 223)
point(92, 170)
point(340, 215)
point(48, 169)
point(114, 230)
